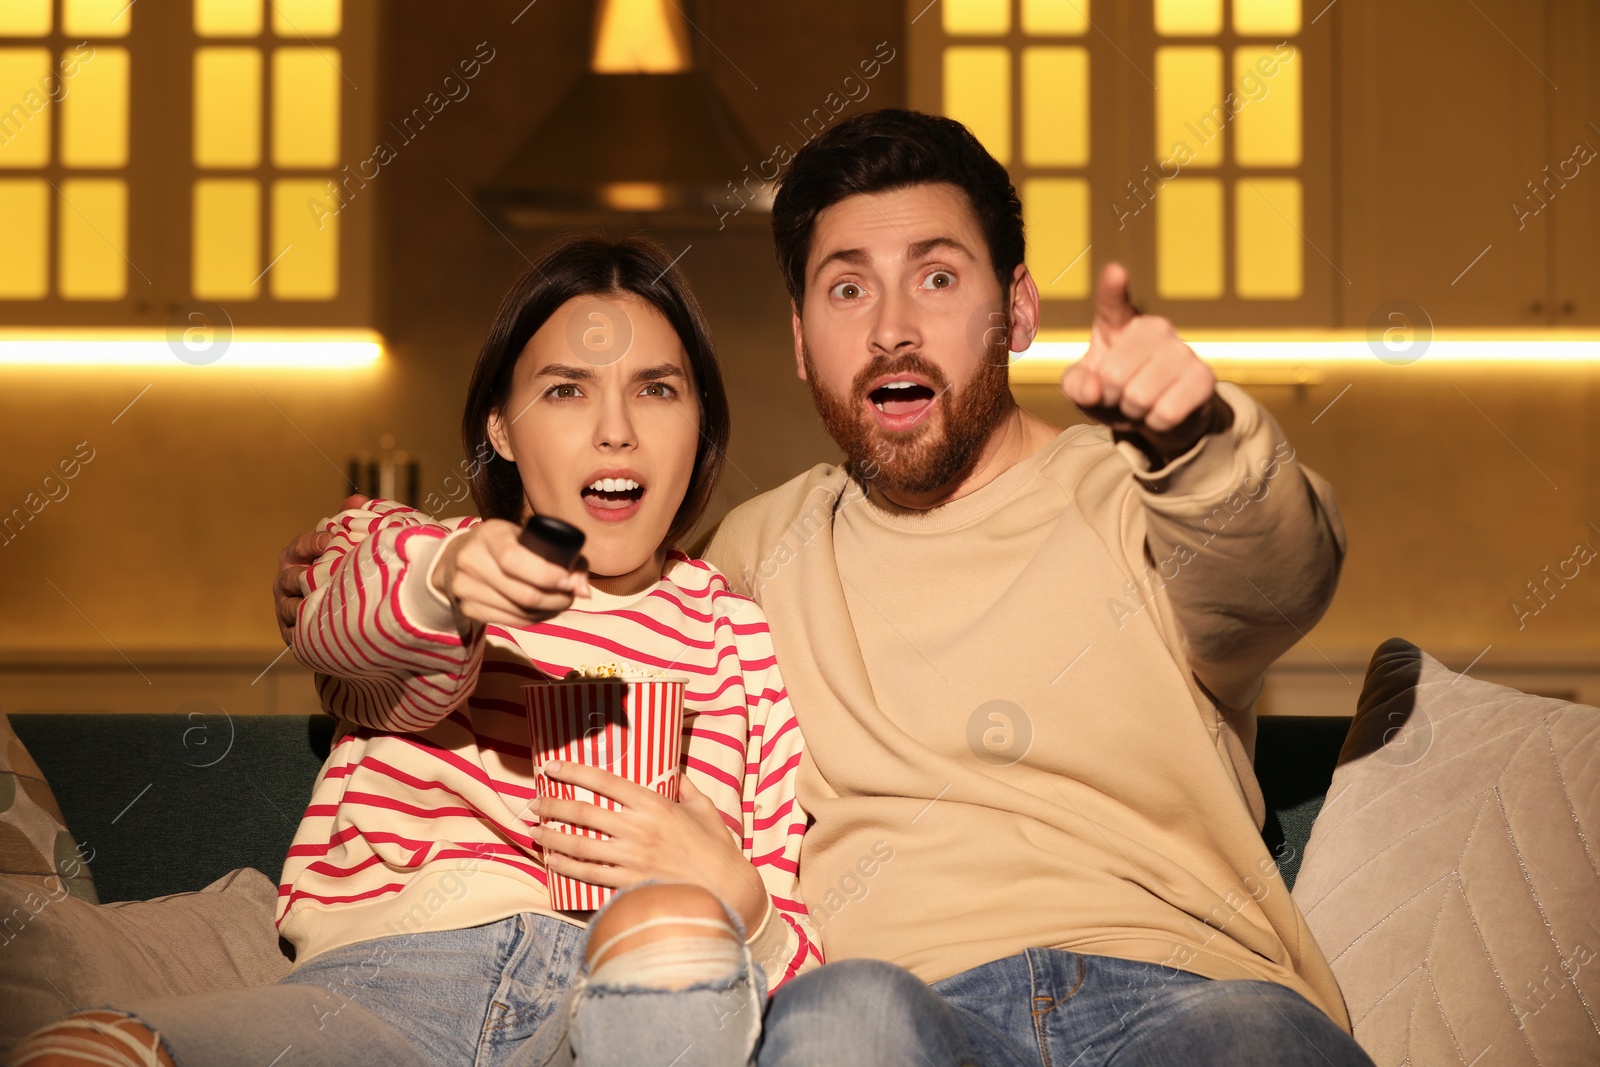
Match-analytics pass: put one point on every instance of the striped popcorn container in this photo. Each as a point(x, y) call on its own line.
point(630, 727)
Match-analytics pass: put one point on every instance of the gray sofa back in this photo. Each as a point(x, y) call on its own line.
point(167, 803)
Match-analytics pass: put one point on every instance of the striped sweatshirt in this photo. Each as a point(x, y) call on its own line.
point(419, 818)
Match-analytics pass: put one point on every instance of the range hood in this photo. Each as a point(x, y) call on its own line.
point(643, 137)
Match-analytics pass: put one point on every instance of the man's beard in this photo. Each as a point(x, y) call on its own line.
point(927, 458)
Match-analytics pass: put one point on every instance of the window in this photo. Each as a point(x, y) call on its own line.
point(1228, 119)
point(1018, 76)
point(153, 157)
point(64, 84)
point(266, 106)
point(1187, 138)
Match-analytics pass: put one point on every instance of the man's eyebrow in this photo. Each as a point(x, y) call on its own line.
point(920, 249)
point(916, 250)
point(856, 257)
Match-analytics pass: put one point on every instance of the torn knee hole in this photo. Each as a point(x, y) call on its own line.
point(85, 1037)
point(668, 942)
point(653, 913)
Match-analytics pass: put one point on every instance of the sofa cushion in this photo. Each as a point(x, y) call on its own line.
point(1453, 875)
point(34, 839)
point(59, 954)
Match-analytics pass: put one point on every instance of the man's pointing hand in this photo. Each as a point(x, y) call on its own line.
point(1140, 379)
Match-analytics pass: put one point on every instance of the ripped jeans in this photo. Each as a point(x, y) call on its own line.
point(512, 993)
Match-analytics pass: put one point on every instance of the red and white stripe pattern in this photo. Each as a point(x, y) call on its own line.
point(431, 769)
point(632, 728)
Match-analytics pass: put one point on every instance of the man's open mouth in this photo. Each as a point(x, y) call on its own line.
point(612, 499)
point(901, 403)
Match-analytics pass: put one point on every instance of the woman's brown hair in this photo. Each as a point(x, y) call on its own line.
point(584, 266)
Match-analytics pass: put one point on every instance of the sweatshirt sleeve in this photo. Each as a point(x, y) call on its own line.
point(773, 823)
point(383, 643)
point(1246, 543)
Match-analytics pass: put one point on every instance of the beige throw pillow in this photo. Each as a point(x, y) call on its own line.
point(59, 954)
point(1453, 875)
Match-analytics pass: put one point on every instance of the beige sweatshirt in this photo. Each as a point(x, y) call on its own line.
point(1028, 713)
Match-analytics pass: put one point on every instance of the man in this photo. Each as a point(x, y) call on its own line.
point(1024, 660)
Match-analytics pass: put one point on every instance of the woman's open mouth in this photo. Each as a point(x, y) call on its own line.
point(901, 403)
point(613, 499)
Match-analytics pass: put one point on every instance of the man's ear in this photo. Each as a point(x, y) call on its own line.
point(499, 436)
point(799, 341)
point(1024, 309)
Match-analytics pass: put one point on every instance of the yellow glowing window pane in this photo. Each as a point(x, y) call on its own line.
point(1188, 18)
point(94, 115)
point(24, 18)
point(1055, 16)
point(227, 107)
point(977, 93)
point(305, 238)
point(1266, 16)
point(1057, 211)
point(227, 18)
point(307, 18)
point(93, 233)
point(1268, 249)
point(305, 107)
point(1267, 128)
point(1189, 239)
point(1055, 107)
point(24, 266)
point(96, 18)
point(1190, 113)
point(25, 107)
point(226, 239)
point(985, 17)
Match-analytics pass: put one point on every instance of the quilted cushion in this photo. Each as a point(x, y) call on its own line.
point(1453, 876)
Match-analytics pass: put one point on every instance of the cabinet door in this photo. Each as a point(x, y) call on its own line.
point(116, 209)
point(1444, 130)
point(1575, 210)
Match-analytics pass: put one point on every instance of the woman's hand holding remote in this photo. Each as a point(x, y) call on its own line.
point(489, 576)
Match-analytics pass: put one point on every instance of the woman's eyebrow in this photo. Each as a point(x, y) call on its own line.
point(565, 370)
point(659, 371)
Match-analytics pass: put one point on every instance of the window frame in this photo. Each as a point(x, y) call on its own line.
point(1122, 42)
point(161, 176)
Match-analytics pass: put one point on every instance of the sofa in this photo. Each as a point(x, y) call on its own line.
point(174, 817)
point(1443, 843)
point(166, 813)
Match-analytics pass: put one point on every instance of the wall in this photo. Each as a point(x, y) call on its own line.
point(149, 584)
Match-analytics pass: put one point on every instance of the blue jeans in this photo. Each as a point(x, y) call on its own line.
point(1046, 1008)
point(510, 993)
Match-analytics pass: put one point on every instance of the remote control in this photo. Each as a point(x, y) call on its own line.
point(557, 541)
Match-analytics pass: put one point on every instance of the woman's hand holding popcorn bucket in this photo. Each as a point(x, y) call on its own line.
point(613, 808)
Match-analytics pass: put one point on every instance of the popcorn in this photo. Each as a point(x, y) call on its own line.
point(631, 672)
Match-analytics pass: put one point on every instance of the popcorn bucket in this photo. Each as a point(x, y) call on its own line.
point(630, 727)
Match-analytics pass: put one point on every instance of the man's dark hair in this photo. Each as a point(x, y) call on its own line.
point(582, 266)
point(890, 149)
